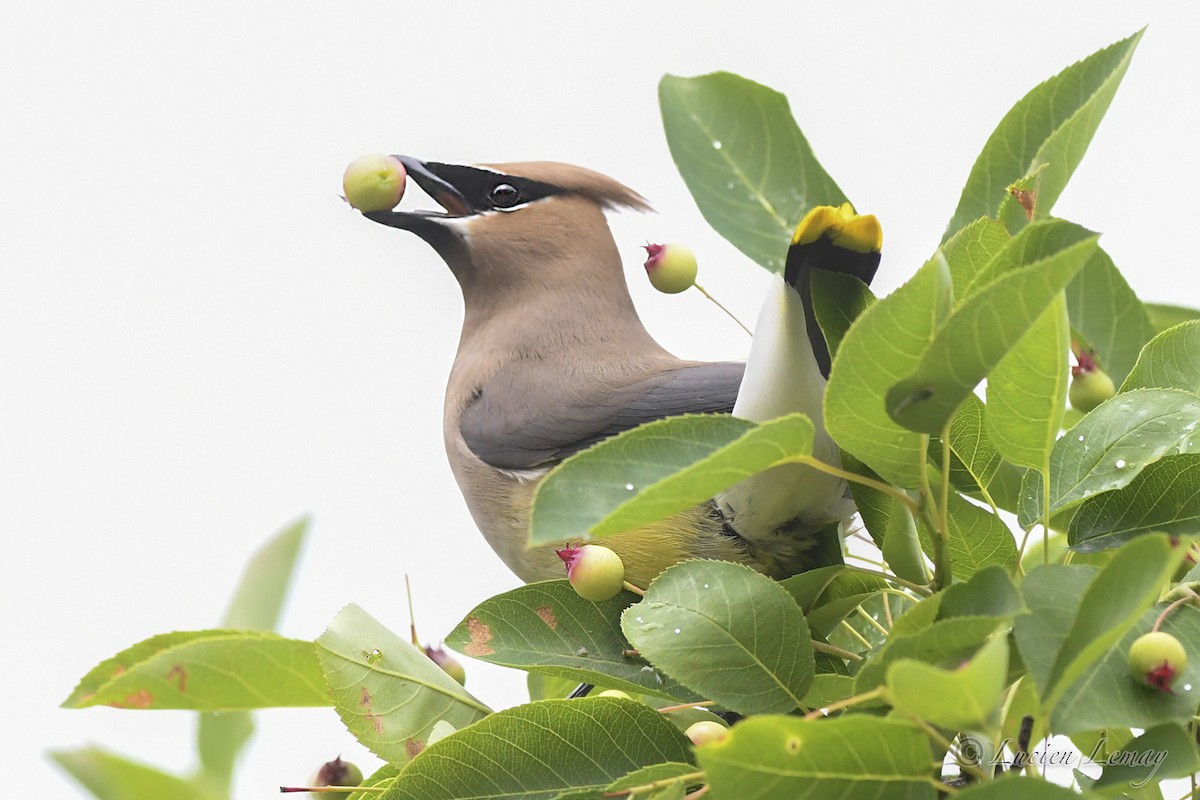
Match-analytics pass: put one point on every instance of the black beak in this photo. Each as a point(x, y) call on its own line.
point(424, 223)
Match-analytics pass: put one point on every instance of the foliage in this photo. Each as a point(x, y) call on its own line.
point(939, 654)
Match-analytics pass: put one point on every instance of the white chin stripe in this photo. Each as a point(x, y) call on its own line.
point(525, 475)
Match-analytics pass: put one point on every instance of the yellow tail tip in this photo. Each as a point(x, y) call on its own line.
point(845, 228)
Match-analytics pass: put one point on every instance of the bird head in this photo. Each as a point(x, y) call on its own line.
point(518, 227)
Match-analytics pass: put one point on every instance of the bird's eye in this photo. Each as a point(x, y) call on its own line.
point(505, 196)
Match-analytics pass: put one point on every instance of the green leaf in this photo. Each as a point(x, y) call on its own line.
point(883, 346)
point(1052, 592)
point(220, 740)
point(1111, 446)
point(1012, 786)
point(1052, 125)
point(541, 750)
point(965, 697)
point(1114, 600)
point(975, 460)
point(642, 777)
point(851, 758)
point(989, 592)
point(838, 299)
point(703, 622)
point(1106, 312)
point(1170, 360)
point(808, 587)
point(215, 670)
point(980, 332)
point(944, 642)
point(1166, 751)
point(901, 545)
point(1107, 696)
point(1163, 316)
point(1027, 390)
point(970, 250)
point(750, 170)
point(1164, 497)
point(890, 525)
point(847, 592)
point(388, 693)
point(549, 687)
point(978, 538)
point(828, 688)
point(548, 628)
point(111, 777)
point(256, 604)
point(653, 471)
point(382, 778)
point(264, 584)
point(1019, 206)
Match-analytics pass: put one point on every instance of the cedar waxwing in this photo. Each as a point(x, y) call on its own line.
point(553, 358)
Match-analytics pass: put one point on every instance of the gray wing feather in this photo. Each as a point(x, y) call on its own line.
point(512, 425)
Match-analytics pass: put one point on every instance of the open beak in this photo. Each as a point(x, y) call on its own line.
point(423, 223)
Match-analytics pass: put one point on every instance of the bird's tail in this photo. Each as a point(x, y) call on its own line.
point(780, 510)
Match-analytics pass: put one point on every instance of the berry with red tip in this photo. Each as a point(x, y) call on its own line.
point(338, 773)
point(1090, 385)
point(596, 573)
point(1157, 659)
point(449, 664)
point(1189, 560)
point(706, 732)
point(374, 183)
point(670, 267)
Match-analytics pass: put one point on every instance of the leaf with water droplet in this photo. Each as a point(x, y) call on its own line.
point(725, 131)
point(1165, 496)
point(750, 627)
point(1169, 360)
point(547, 628)
point(1111, 445)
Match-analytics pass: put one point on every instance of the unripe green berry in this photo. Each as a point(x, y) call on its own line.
point(1157, 659)
point(1090, 389)
point(1090, 385)
point(596, 573)
point(671, 267)
point(449, 664)
point(1189, 560)
point(614, 693)
point(338, 773)
point(374, 183)
point(706, 732)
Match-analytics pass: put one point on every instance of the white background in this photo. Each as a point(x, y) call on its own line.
point(200, 342)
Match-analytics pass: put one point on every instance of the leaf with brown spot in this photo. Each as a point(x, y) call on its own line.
point(179, 673)
point(139, 699)
point(545, 750)
point(1027, 200)
point(388, 692)
point(215, 670)
point(481, 634)
point(548, 629)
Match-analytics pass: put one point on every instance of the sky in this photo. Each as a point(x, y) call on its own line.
point(199, 341)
